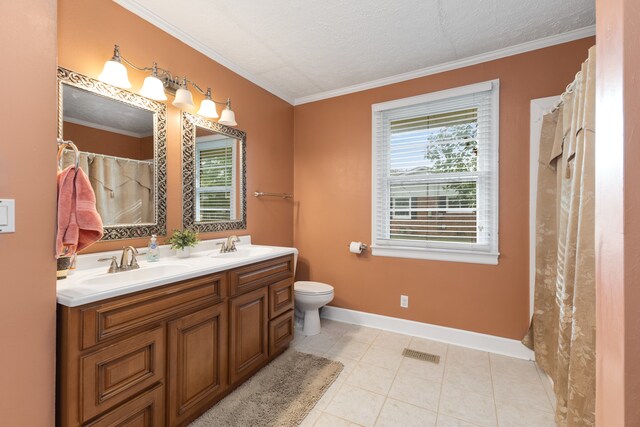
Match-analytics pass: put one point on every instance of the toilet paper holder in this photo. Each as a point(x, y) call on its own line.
point(357, 247)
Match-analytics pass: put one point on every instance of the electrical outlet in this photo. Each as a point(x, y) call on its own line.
point(404, 301)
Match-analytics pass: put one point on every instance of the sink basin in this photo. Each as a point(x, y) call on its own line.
point(245, 252)
point(144, 273)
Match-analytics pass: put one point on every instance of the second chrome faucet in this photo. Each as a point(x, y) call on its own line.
point(126, 263)
point(229, 245)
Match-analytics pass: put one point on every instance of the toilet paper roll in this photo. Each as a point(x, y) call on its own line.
point(355, 247)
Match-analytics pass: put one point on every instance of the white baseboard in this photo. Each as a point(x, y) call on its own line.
point(490, 343)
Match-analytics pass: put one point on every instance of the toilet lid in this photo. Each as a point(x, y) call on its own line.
point(315, 288)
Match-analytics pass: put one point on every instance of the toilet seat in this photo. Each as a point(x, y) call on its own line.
point(312, 288)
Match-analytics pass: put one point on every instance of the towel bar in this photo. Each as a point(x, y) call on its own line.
point(282, 195)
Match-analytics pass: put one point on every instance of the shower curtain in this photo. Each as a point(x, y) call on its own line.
point(123, 187)
point(562, 332)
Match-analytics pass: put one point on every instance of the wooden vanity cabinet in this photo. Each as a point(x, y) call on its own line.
point(163, 356)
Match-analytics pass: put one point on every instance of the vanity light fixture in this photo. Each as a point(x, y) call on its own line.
point(162, 81)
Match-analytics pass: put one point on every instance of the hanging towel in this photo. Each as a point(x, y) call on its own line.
point(79, 224)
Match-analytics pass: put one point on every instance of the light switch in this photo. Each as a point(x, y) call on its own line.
point(4, 216)
point(7, 216)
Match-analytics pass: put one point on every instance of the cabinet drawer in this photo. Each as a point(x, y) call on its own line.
point(280, 332)
point(280, 297)
point(253, 276)
point(146, 410)
point(114, 374)
point(104, 321)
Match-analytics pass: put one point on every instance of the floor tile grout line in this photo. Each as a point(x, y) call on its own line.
point(542, 380)
point(460, 419)
point(351, 373)
point(493, 391)
point(380, 411)
point(395, 376)
point(444, 373)
point(336, 416)
point(359, 388)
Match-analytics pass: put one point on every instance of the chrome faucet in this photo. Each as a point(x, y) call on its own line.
point(229, 245)
point(125, 262)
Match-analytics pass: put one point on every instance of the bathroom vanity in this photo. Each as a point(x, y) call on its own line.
point(160, 348)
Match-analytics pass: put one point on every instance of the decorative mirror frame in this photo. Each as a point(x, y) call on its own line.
point(159, 110)
point(189, 123)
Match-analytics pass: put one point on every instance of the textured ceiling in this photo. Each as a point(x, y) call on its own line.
point(302, 48)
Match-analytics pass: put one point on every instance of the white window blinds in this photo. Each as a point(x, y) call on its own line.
point(435, 175)
point(215, 180)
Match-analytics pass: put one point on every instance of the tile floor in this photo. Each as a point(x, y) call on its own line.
point(380, 387)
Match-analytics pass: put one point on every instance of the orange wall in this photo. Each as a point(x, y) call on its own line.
point(332, 177)
point(28, 175)
point(100, 141)
point(617, 213)
point(87, 31)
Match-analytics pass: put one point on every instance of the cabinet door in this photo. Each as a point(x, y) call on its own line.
point(197, 362)
point(248, 333)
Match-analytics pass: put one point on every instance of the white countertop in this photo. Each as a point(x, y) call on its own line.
point(90, 282)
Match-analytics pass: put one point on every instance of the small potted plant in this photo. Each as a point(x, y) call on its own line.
point(183, 241)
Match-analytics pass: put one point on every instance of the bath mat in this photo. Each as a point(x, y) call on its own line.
point(281, 394)
point(420, 355)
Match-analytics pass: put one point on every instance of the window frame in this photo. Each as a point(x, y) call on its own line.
point(206, 143)
point(442, 251)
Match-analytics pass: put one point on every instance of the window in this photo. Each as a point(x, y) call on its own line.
point(215, 178)
point(435, 175)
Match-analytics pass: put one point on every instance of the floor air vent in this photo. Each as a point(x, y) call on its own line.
point(427, 357)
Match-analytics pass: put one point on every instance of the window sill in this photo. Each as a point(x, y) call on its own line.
point(436, 254)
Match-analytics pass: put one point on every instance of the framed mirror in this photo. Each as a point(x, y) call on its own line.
point(214, 193)
point(122, 140)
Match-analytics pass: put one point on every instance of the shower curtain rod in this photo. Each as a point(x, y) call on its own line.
point(569, 89)
point(117, 158)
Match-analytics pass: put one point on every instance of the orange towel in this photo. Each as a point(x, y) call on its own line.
point(79, 224)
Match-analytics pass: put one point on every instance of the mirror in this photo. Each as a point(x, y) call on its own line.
point(121, 137)
point(213, 175)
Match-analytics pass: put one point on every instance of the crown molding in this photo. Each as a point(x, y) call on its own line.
point(144, 13)
point(460, 63)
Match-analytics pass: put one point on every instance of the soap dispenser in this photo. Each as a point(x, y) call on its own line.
point(153, 252)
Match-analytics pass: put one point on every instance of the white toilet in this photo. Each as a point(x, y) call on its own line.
point(310, 296)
